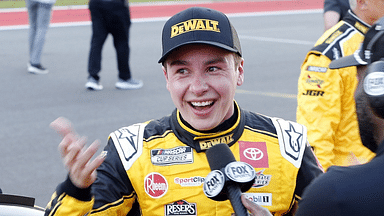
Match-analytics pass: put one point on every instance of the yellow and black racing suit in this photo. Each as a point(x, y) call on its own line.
point(326, 104)
point(158, 168)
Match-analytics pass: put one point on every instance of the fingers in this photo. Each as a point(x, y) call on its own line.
point(82, 169)
point(62, 126)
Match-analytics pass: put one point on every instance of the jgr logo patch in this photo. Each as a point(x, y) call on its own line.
point(194, 25)
point(261, 180)
point(374, 83)
point(180, 207)
point(155, 185)
point(178, 155)
point(314, 93)
point(264, 199)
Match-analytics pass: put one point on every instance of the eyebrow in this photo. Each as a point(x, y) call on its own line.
point(211, 61)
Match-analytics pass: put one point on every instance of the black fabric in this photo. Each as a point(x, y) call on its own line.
point(109, 17)
point(347, 191)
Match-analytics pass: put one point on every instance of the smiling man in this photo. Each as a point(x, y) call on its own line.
point(158, 167)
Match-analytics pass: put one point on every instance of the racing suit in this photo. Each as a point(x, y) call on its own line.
point(160, 165)
point(326, 104)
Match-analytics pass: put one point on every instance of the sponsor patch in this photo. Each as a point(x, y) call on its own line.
point(292, 139)
point(194, 25)
point(178, 155)
point(254, 153)
point(313, 81)
point(180, 207)
point(206, 144)
point(261, 180)
point(264, 199)
point(129, 143)
point(317, 69)
point(315, 93)
point(189, 182)
point(155, 185)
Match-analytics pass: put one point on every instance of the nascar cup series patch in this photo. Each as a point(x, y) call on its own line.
point(177, 155)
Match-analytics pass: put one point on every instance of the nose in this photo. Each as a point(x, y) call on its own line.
point(199, 85)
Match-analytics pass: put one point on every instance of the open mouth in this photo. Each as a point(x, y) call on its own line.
point(202, 104)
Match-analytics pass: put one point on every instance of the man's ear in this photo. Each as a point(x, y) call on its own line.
point(240, 70)
point(165, 75)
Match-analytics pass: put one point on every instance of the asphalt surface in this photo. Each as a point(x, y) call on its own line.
point(274, 47)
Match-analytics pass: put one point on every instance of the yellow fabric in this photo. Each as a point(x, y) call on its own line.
point(282, 172)
point(326, 103)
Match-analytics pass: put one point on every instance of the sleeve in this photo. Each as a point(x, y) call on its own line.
point(111, 193)
point(309, 170)
point(319, 105)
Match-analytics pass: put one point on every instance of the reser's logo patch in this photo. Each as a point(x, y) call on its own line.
point(206, 144)
point(194, 25)
point(181, 207)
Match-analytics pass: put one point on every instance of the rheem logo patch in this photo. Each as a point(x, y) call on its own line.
point(155, 185)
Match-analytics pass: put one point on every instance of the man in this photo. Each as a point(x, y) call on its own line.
point(334, 11)
point(357, 190)
point(110, 17)
point(159, 166)
point(325, 96)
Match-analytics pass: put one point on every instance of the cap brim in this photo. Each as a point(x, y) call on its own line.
point(347, 61)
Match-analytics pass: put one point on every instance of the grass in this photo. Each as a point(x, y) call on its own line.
point(21, 3)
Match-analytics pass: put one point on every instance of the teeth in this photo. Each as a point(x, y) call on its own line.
point(201, 104)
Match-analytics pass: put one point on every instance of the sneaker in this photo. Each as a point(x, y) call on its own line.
point(36, 69)
point(129, 84)
point(93, 84)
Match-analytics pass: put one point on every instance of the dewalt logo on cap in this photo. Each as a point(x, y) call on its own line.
point(194, 25)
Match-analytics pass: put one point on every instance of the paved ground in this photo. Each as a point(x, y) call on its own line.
point(274, 45)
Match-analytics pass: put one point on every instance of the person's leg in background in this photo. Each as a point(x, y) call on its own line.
point(99, 35)
point(120, 27)
point(39, 18)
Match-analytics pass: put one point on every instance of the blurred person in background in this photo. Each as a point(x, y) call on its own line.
point(39, 15)
point(110, 17)
point(325, 96)
point(357, 190)
point(334, 11)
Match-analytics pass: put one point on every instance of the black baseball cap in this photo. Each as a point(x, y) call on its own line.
point(371, 50)
point(198, 25)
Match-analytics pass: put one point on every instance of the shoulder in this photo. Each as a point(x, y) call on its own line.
point(343, 39)
point(291, 136)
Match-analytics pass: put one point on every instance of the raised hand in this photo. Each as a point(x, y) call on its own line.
point(76, 156)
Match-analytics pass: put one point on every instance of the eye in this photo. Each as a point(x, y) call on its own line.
point(182, 71)
point(213, 69)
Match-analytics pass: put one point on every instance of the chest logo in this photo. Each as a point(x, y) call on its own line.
point(254, 153)
point(155, 185)
point(181, 207)
point(178, 155)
